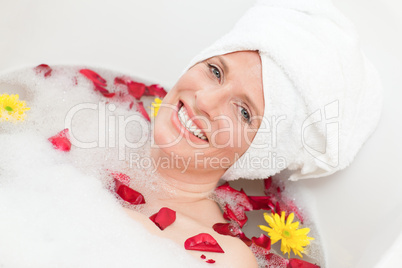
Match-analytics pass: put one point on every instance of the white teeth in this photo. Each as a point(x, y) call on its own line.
point(189, 124)
point(193, 128)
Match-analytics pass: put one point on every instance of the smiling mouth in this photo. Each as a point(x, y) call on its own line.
point(189, 124)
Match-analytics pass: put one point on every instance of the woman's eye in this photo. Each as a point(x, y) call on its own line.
point(215, 71)
point(245, 114)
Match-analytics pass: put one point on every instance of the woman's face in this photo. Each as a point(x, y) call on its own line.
point(210, 117)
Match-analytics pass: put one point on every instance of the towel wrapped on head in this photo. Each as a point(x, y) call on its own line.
point(322, 96)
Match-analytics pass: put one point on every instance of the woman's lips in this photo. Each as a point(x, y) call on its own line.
point(182, 129)
point(194, 119)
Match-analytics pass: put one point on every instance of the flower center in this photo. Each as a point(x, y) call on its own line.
point(286, 233)
point(8, 108)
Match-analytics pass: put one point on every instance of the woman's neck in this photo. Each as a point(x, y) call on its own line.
point(189, 199)
point(185, 190)
point(188, 185)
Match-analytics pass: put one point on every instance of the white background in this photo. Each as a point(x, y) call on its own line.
point(359, 209)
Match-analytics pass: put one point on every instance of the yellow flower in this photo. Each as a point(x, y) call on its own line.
point(155, 107)
point(292, 238)
point(12, 109)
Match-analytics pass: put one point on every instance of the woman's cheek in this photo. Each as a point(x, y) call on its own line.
point(222, 138)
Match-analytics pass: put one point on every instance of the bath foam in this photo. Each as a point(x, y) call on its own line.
point(55, 210)
point(53, 215)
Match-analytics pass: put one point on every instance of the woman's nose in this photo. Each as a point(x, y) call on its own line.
point(211, 101)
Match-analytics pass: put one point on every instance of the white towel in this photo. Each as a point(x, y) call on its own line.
point(322, 95)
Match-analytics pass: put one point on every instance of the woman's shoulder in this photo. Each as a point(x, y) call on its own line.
point(237, 253)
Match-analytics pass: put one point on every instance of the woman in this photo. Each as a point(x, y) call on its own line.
point(287, 88)
point(223, 98)
point(262, 94)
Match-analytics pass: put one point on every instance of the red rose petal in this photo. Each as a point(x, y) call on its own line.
point(262, 241)
point(164, 217)
point(61, 141)
point(273, 187)
point(242, 200)
point(210, 261)
point(141, 109)
point(226, 229)
point(203, 257)
point(101, 89)
point(94, 77)
point(104, 91)
point(109, 95)
point(98, 81)
point(235, 215)
point(277, 208)
point(261, 202)
point(293, 208)
point(129, 195)
point(120, 81)
point(226, 188)
point(245, 239)
point(296, 263)
point(135, 89)
point(203, 242)
point(232, 230)
point(267, 184)
point(121, 177)
point(43, 68)
point(155, 90)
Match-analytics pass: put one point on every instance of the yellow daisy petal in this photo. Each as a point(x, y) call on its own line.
point(156, 104)
point(303, 231)
point(265, 228)
point(268, 218)
point(277, 219)
point(11, 108)
point(294, 225)
point(298, 253)
point(290, 219)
